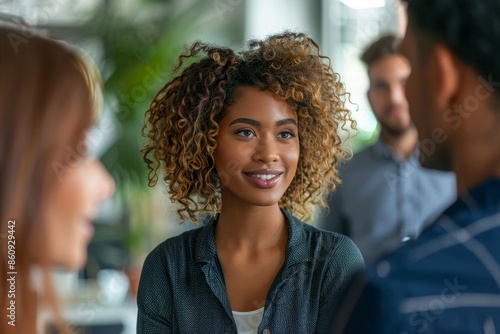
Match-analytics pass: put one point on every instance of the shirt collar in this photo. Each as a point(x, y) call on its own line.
point(383, 150)
point(205, 250)
point(482, 198)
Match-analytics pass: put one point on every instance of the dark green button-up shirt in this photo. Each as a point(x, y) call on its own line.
point(182, 288)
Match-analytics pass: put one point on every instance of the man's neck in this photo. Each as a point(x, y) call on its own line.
point(404, 144)
point(477, 160)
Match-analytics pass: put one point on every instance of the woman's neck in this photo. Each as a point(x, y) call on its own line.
point(250, 228)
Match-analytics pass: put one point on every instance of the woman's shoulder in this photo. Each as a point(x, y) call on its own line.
point(321, 240)
point(175, 248)
point(337, 250)
point(334, 241)
point(310, 230)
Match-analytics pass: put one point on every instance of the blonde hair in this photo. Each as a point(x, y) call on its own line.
point(47, 101)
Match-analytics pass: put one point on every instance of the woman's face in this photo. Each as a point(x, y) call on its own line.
point(72, 206)
point(257, 149)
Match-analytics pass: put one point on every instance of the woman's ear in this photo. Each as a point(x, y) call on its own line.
point(447, 76)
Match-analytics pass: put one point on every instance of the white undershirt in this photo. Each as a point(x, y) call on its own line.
point(248, 322)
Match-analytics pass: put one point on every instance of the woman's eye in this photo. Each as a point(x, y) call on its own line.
point(286, 135)
point(382, 87)
point(245, 133)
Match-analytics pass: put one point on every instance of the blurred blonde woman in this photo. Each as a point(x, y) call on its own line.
point(50, 187)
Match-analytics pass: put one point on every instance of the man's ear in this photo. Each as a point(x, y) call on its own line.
point(447, 76)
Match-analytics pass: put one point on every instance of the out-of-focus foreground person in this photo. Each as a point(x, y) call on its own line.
point(386, 197)
point(50, 186)
point(448, 280)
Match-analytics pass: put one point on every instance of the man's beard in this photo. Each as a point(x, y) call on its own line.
point(395, 131)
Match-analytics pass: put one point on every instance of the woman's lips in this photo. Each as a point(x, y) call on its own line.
point(264, 179)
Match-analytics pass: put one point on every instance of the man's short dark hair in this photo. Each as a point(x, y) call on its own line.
point(385, 46)
point(469, 28)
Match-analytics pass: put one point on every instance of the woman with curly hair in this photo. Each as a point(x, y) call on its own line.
point(250, 140)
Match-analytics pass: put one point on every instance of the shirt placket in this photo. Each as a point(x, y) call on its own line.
point(405, 207)
point(215, 280)
point(282, 279)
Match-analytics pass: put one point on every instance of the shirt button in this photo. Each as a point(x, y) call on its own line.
point(383, 269)
point(405, 239)
point(266, 331)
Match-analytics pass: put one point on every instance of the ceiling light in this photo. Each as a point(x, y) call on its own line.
point(363, 4)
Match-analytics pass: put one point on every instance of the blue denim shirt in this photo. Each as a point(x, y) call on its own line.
point(182, 287)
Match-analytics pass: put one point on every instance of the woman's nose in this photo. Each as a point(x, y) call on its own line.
point(266, 150)
point(106, 182)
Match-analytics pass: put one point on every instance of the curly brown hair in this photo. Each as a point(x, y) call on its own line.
point(181, 123)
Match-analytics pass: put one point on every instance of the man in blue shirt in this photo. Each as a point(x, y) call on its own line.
point(386, 197)
point(448, 280)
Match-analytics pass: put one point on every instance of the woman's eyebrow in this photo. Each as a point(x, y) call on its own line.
point(257, 123)
point(246, 121)
point(286, 121)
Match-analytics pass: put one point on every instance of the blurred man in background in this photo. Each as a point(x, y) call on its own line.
point(386, 197)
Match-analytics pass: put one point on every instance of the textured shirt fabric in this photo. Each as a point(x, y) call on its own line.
point(182, 287)
point(384, 200)
point(447, 281)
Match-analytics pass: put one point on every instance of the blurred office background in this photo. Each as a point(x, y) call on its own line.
point(135, 43)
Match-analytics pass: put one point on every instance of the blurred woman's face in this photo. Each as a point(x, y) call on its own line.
point(72, 207)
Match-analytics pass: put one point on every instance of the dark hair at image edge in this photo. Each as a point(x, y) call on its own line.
point(469, 28)
point(387, 45)
point(181, 124)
